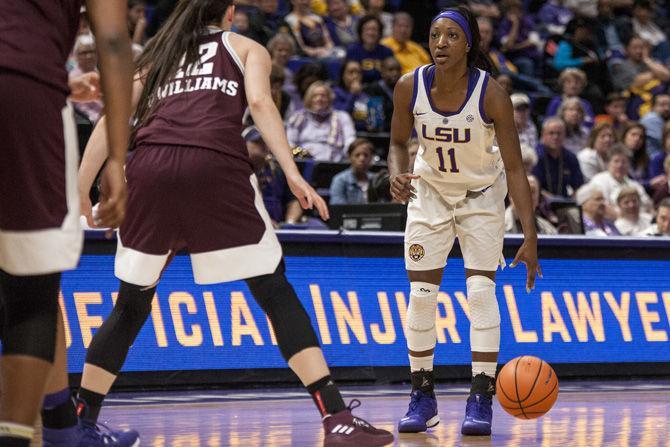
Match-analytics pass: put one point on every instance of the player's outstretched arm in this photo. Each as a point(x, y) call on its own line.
point(498, 107)
point(95, 154)
point(269, 123)
point(401, 129)
point(110, 26)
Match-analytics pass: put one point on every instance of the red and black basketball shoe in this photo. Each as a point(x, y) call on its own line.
point(345, 429)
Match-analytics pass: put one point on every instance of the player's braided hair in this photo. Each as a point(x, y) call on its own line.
point(178, 36)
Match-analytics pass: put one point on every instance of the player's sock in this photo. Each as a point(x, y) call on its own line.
point(488, 368)
point(423, 380)
point(326, 396)
point(15, 435)
point(58, 410)
point(419, 363)
point(89, 410)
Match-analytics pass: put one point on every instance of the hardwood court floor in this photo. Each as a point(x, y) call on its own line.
point(612, 414)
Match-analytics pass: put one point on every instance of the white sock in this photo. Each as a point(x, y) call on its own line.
point(488, 368)
point(419, 363)
point(12, 430)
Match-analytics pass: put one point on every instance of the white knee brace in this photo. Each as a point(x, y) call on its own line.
point(420, 331)
point(484, 314)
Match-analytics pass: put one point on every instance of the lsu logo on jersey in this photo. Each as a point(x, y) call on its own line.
point(416, 252)
point(446, 134)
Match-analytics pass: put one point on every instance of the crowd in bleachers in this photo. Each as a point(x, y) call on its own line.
point(588, 80)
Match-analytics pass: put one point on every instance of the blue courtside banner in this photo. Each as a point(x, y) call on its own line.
point(583, 311)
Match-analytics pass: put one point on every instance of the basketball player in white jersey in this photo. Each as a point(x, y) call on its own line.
point(191, 187)
point(457, 189)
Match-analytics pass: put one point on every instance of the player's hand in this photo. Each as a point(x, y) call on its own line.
point(307, 197)
point(527, 254)
point(85, 88)
point(86, 208)
point(113, 194)
point(401, 187)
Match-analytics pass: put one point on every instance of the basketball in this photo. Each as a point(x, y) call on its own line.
point(527, 387)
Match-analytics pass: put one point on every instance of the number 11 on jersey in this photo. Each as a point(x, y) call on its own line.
point(452, 158)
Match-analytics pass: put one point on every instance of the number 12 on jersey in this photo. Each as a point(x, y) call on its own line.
point(452, 159)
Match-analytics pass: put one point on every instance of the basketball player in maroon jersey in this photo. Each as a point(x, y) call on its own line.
point(191, 187)
point(39, 223)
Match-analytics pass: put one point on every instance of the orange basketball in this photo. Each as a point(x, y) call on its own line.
point(527, 387)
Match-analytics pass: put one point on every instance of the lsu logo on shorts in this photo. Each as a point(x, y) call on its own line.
point(416, 252)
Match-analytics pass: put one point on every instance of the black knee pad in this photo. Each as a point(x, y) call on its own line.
point(279, 301)
point(110, 345)
point(30, 314)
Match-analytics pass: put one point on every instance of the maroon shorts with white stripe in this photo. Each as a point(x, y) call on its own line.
point(198, 200)
point(39, 206)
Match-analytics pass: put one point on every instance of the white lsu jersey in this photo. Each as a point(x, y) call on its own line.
point(457, 152)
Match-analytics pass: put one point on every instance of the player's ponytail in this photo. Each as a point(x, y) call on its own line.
point(475, 56)
point(178, 36)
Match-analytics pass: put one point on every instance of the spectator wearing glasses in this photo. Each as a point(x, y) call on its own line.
point(594, 208)
point(557, 169)
point(319, 129)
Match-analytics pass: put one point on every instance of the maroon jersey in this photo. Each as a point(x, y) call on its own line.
point(204, 104)
point(36, 37)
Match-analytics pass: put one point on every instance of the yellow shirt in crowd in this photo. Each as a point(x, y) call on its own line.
point(320, 7)
point(409, 55)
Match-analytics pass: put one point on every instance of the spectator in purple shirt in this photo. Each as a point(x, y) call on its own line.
point(557, 169)
point(282, 48)
point(503, 65)
point(341, 24)
point(349, 95)
point(368, 51)
point(514, 34)
point(592, 201)
point(553, 17)
point(655, 120)
point(633, 137)
point(657, 160)
point(576, 130)
point(572, 82)
point(309, 30)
